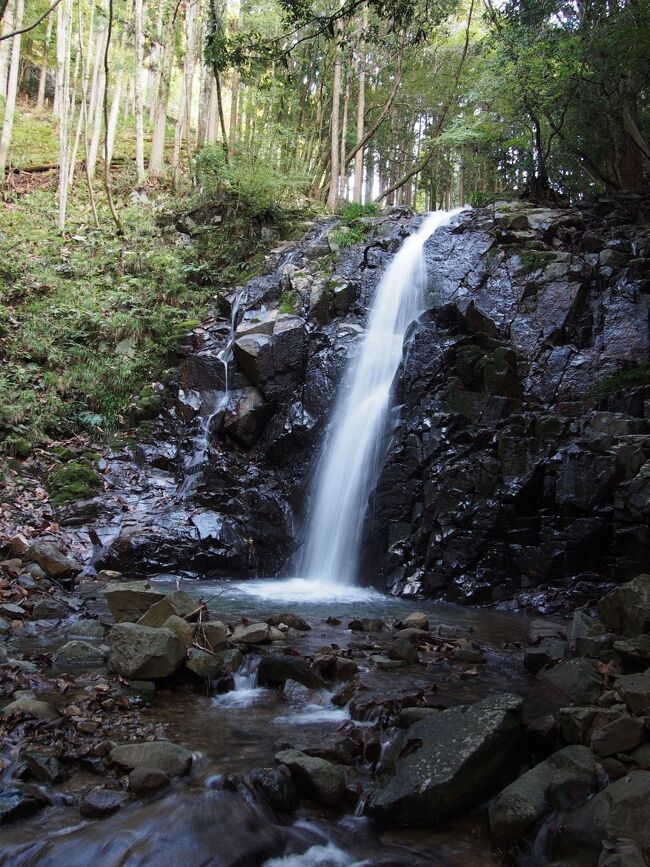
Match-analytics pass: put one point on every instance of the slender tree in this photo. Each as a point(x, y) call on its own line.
point(12, 89)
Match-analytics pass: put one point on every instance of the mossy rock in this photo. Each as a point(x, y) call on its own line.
point(622, 379)
point(72, 481)
point(535, 260)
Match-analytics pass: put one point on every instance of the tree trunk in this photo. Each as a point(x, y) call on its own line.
point(139, 102)
point(361, 108)
point(114, 115)
point(156, 157)
point(204, 108)
point(79, 62)
point(96, 106)
point(5, 47)
point(64, 21)
point(344, 134)
point(153, 75)
point(211, 130)
point(12, 89)
point(234, 96)
point(183, 119)
point(42, 79)
point(332, 198)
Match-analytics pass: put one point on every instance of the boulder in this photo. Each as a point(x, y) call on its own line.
point(549, 650)
point(229, 661)
point(254, 355)
point(52, 560)
point(17, 802)
point(145, 781)
point(289, 619)
point(578, 679)
point(49, 609)
point(178, 603)
point(627, 609)
point(447, 761)
point(618, 736)
point(129, 600)
point(164, 756)
point(30, 707)
point(253, 633)
point(366, 624)
point(246, 415)
point(214, 631)
point(416, 620)
point(143, 653)
point(45, 769)
point(620, 810)
point(568, 776)
point(634, 689)
point(179, 626)
point(275, 670)
point(80, 653)
point(277, 785)
point(203, 664)
point(99, 803)
point(402, 649)
point(318, 779)
point(634, 652)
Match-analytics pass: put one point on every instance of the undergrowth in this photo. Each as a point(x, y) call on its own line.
point(89, 321)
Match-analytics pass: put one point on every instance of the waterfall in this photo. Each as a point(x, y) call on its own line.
point(352, 453)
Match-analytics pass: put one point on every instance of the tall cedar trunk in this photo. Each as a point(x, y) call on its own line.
point(64, 22)
point(156, 157)
point(211, 130)
point(234, 96)
point(184, 109)
point(204, 108)
point(370, 174)
point(84, 98)
point(344, 133)
point(5, 47)
point(111, 128)
point(332, 198)
point(42, 79)
point(357, 194)
point(139, 102)
point(12, 89)
point(96, 106)
point(81, 65)
point(153, 74)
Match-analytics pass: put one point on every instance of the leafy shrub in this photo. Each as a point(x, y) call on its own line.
point(353, 211)
point(347, 236)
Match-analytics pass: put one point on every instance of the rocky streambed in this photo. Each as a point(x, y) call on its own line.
point(176, 720)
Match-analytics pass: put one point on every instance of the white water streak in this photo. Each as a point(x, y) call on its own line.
point(353, 447)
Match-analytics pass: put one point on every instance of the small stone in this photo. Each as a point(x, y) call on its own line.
point(366, 625)
point(277, 785)
point(202, 663)
point(99, 803)
point(578, 679)
point(635, 691)
point(383, 663)
point(549, 650)
point(52, 560)
point(291, 620)
point(17, 803)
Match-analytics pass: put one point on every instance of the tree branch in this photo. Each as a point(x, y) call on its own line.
point(30, 26)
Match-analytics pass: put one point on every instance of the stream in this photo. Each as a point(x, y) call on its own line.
point(234, 733)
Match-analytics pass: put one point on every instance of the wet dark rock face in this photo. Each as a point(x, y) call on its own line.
point(508, 474)
point(511, 473)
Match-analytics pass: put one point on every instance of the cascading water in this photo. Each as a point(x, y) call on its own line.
point(211, 406)
point(352, 452)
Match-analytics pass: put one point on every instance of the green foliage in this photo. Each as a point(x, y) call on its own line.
point(75, 480)
point(347, 236)
point(352, 211)
point(289, 302)
point(633, 376)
